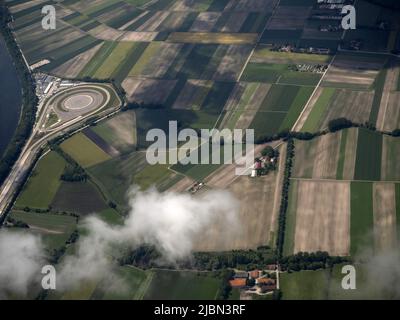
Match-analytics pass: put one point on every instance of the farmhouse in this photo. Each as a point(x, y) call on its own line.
point(265, 281)
point(238, 283)
point(241, 275)
point(255, 274)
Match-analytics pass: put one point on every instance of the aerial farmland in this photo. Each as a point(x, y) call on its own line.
point(323, 190)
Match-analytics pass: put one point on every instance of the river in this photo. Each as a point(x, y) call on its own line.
point(10, 97)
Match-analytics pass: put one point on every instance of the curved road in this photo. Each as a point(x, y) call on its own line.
point(33, 145)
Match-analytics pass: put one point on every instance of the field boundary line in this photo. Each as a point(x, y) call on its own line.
point(313, 94)
point(347, 180)
point(258, 41)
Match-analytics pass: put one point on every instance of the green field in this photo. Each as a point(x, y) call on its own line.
point(183, 285)
point(197, 172)
point(326, 284)
point(280, 109)
point(111, 216)
point(115, 176)
point(296, 107)
point(263, 72)
point(278, 73)
point(84, 151)
point(314, 119)
point(369, 151)
point(119, 131)
point(362, 216)
point(152, 175)
point(54, 229)
point(78, 197)
point(135, 281)
point(264, 53)
point(43, 183)
point(305, 285)
point(114, 60)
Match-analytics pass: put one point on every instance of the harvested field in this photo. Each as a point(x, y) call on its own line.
point(149, 90)
point(390, 170)
point(354, 71)
point(289, 18)
point(391, 113)
point(384, 199)
point(349, 154)
point(322, 217)
point(353, 105)
point(205, 22)
point(73, 67)
point(317, 159)
point(193, 94)
point(216, 38)
point(232, 63)
point(234, 23)
point(386, 111)
point(256, 218)
point(156, 60)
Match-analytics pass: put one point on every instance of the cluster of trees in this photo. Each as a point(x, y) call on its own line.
point(339, 124)
point(285, 197)
point(270, 152)
point(29, 98)
point(18, 223)
point(225, 289)
point(333, 126)
point(243, 259)
point(56, 254)
point(74, 173)
point(310, 261)
point(141, 105)
point(144, 257)
point(147, 257)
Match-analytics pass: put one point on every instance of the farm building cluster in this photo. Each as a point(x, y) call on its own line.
point(266, 163)
point(256, 281)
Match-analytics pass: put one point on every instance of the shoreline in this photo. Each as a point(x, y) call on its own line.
point(28, 108)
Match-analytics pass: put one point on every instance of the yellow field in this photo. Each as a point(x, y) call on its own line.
point(217, 38)
point(120, 53)
point(264, 54)
point(84, 151)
